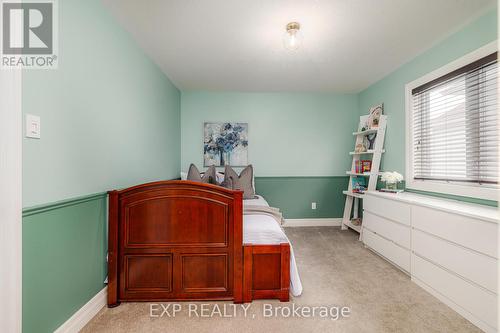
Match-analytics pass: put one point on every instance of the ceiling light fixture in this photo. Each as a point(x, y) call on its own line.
point(293, 37)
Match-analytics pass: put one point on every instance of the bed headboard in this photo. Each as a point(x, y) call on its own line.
point(175, 240)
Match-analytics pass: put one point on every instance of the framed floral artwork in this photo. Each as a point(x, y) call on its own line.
point(225, 144)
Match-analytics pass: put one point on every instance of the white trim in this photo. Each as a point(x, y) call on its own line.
point(85, 314)
point(474, 191)
point(10, 201)
point(325, 222)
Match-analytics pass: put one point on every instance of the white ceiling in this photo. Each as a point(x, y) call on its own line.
point(236, 45)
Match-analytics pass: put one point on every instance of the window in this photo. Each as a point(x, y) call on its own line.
point(453, 140)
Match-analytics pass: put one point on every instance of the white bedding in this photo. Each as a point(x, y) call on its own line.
point(258, 201)
point(263, 229)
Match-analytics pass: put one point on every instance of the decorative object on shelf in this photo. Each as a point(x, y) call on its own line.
point(362, 166)
point(374, 117)
point(356, 221)
point(360, 148)
point(370, 138)
point(391, 180)
point(358, 184)
point(225, 143)
point(366, 166)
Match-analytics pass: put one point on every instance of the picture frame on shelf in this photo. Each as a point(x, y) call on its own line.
point(374, 116)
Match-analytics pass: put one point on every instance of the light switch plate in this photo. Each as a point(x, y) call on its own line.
point(32, 126)
point(313, 205)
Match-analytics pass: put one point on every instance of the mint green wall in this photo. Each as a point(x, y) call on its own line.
point(64, 260)
point(290, 134)
point(109, 117)
point(391, 89)
point(299, 143)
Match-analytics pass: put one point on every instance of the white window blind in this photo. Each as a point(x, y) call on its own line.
point(455, 125)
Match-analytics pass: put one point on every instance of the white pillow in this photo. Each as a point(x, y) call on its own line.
point(220, 177)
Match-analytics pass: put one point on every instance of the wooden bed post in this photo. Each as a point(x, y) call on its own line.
point(248, 272)
point(266, 272)
point(113, 216)
point(238, 248)
point(285, 272)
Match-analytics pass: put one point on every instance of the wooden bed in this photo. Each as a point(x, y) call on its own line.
point(182, 240)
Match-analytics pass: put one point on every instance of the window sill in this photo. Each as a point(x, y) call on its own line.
point(477, 192)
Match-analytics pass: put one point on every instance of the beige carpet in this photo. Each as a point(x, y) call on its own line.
point(336, 270)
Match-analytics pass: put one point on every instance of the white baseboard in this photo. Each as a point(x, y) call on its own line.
point(85, 314)
point(326, 222)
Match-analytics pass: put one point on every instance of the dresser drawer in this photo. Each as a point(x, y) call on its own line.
point(387, 249)
point(389, 209)
point(471, 265)
point(474, 234)
point(399, 233)
point(479, 302)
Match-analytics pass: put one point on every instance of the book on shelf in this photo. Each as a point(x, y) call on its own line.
point(358, 184)
point(366, 166)
point(362, 166)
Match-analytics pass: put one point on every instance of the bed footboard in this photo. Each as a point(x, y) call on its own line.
point(266, 272)
point(175, 240)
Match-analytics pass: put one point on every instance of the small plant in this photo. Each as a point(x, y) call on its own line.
point(392, 177)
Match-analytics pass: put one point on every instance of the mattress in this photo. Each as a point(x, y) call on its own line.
point(262, 230)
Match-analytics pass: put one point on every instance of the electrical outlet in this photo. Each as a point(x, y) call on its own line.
point(313, 205)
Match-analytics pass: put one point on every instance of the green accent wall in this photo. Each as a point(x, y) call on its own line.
point(289, 134)
point(391, 89)
point(110, 118)
point(64, 260)
point(294, 195)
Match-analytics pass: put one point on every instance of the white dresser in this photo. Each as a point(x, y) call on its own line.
point(449, 248)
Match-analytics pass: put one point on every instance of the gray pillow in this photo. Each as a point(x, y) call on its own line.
point(208, 176)
point(227, 182)
point(243, 182)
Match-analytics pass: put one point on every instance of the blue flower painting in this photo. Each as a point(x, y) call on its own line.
point(225, 143)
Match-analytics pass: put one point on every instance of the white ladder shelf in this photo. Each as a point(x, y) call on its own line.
point(352, 198)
